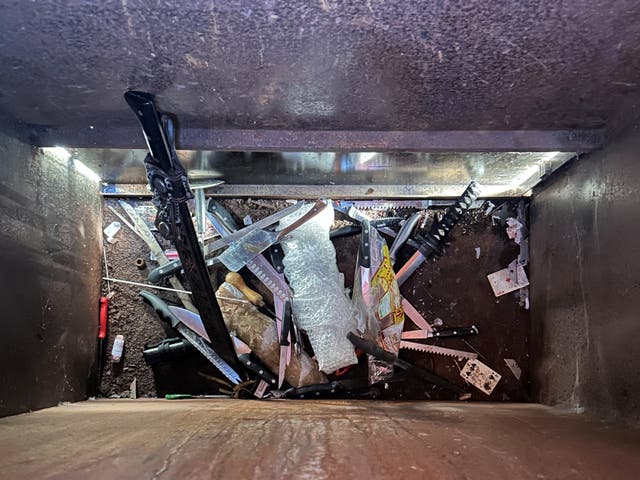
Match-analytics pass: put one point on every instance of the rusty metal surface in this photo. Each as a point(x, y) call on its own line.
point(50, 240)
point(584, 282)
point(327, 65)
point(312, 440)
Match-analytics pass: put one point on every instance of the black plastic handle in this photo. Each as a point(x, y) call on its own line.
point(160, 307)
point(364, 250)
point(348, 231)
point(286, 324)
point(163, 271)
point(253, 365)
point(143, 105)
point(312, 391)
point(371, 348)
point(455, 332)
point(216, 209)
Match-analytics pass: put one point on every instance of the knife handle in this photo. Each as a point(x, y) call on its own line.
point(216, 209)
point(371, 348)
point(311, 391)
point(455, 332)
point(102, 323)
point(160, 307)
point(237, 281)
point(164, 271)
point(364, 250)
point(317, 208)
point(348, 231)
point(286, 324)
point(256, 367)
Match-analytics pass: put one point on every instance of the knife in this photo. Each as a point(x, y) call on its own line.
point(249, 246)
point(432, 242)
point(197, 341)
point(403, 235)
point(442, 333)
point(191, 320)
point(238, 236)
point(376, 351)
point(259, 266)
point(248, 360)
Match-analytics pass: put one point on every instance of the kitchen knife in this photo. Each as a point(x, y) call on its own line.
point(403, 235)
point(190, 319)
point(442, 333)
point(197, 341)
point(376, 351)
point(257, 241)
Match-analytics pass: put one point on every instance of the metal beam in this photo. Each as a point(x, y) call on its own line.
point(331, 140)
point(335, 192)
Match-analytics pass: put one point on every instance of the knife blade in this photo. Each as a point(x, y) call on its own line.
point(163, 311)
point(259, 266)
point(257, 241)
point(403, 235)
point(191, 320)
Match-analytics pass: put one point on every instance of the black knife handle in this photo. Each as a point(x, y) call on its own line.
point(364, 250)
point(430, 377)
point(312, 391)
point(216, 209)
point(434, 239)
point(348, 231)
point(286, 324)
point(160, 307)
point(253, 365)
point(167, 350)
point(142, 103)
point(174, 267)
point(163, 271)
point(455, 332)
point(277, 256)
point(371, 348)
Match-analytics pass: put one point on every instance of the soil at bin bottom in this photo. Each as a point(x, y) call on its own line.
point(452, 287)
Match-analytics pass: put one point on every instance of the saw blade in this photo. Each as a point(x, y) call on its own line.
point(209, 353)
point(449, 352)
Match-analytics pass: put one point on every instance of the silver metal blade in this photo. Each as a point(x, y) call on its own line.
point(242, 252)
point(191, 320)
point(411, 312)
point(240, 234)
point(209, 353)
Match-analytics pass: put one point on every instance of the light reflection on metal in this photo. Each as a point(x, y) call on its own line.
point(440, 174)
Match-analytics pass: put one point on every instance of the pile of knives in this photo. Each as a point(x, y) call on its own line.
point(255, 247)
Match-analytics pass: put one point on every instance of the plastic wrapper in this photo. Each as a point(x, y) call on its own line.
point(377, 297)
point(258, 331)
point(320, 303)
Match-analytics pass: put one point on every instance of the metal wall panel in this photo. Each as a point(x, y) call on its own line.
point(50, 257)
point(585, 259)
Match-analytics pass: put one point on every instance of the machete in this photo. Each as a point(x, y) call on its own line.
point(170, 187)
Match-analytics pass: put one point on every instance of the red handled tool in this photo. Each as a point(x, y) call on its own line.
point(102, 335)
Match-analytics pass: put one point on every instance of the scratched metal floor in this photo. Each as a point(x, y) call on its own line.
point(149, 439)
